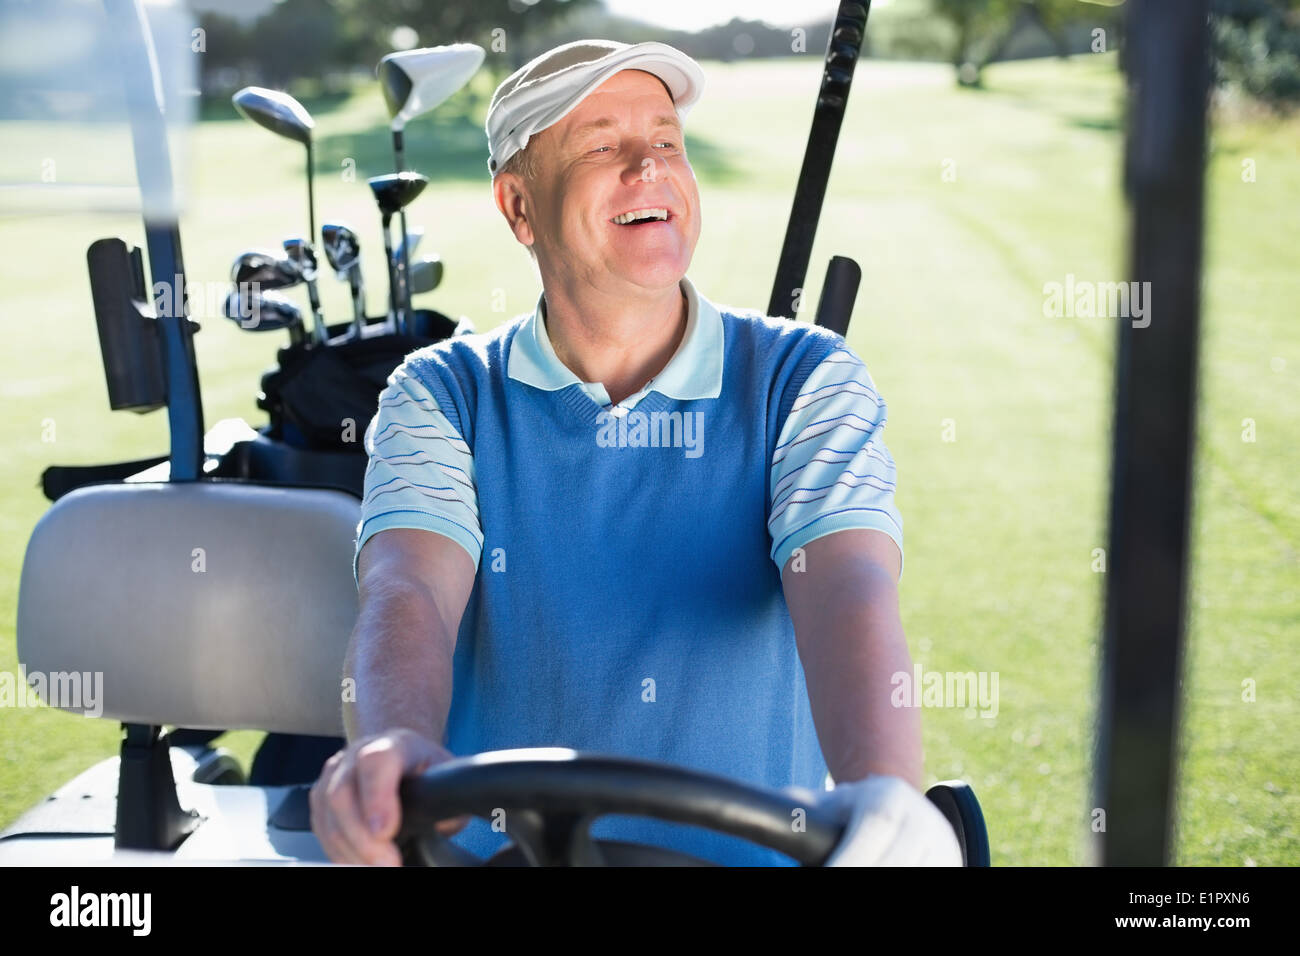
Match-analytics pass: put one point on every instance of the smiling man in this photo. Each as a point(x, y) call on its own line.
point(631, 522)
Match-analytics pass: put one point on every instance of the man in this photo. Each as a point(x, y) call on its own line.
point(654, 520)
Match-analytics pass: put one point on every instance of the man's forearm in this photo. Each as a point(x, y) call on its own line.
point(400, 657)
point(851, 645)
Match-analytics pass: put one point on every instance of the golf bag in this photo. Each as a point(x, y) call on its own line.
point(322, 399)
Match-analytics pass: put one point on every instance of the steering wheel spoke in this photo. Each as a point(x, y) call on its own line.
point(555, 838)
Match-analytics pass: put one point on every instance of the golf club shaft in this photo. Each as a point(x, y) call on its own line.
point(404, 279)
point(358, 300)
point(403, 267)
point(311, 197)
point(392, 279)
point(318, 320)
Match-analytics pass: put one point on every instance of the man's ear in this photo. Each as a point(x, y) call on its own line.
point(511, 198)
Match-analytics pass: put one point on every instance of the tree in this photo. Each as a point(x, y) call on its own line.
point(1257, 49)
point(296, 38)
point(985, 27)
point(502, 27)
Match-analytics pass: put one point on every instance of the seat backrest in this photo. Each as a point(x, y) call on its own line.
point(199, 604)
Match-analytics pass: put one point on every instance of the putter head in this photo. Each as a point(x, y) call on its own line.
point(258, 311)
point(395, 191)
point(425, 275)
point(416, 81)
point(279, 112)
point(342, 248)
point(265, 269)
point(302, 255)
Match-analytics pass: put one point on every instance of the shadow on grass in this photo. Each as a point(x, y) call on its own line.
point(1102, 124)
point(1036, 102)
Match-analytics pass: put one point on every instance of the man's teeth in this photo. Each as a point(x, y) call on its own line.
point(641, 214)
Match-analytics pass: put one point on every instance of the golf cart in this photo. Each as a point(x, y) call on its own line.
point(182, 565)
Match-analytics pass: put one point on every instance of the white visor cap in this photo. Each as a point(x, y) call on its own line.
point(544, 90)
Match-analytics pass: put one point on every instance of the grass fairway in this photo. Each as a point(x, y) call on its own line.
point(959, 206)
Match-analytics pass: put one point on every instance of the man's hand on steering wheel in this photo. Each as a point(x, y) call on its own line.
point(888, 822)
point(355, 811)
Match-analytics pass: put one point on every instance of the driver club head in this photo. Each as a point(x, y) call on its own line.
point(416, 81)
point(396, 191)
point(265, 269)
point(277, 111)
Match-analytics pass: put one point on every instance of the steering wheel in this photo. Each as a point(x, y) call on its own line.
point(550, 797)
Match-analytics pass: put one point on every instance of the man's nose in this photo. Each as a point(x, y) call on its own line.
point(643, 166)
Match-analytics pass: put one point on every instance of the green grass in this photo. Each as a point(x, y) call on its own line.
point(1000, 523)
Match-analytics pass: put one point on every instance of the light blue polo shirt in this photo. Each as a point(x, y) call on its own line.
point(832, 471)
point(628, 596)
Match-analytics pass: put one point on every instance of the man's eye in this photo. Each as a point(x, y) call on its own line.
point(599, 148)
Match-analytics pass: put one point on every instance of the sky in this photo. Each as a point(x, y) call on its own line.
point(697, 14)
point(679, 14)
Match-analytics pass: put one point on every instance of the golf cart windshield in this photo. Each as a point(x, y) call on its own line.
point(68, 97)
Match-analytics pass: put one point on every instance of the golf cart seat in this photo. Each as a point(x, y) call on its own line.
point(206, 604)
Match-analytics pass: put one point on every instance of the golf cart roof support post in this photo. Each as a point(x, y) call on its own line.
point(839, 292)
point(1167, 59)
point(149, 814)
point(842, 49)
point(140, 75)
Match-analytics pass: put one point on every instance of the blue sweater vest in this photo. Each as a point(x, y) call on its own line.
point(626, 601)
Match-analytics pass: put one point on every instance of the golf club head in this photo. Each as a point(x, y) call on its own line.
point(395, 191)
point(301, 254)
point(265, 269)
point(425, 276)
point(258, 311)
point(279, 112)
point(416, 81)
point(342, 247)
point(409, 244)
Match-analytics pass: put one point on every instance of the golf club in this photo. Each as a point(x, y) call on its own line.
point(283, 115)
point(394, 192)
point(343, 252)
point(266, 310)
point(265, 269)
point(415, 82)
point(302, 255)
point(406, 248)
point(425, 275)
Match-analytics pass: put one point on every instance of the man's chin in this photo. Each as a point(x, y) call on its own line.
point(656, 276)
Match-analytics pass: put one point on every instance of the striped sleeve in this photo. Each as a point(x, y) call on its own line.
point(831, 470)
point(420, 473)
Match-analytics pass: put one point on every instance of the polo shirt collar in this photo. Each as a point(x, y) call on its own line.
point(694, 371)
